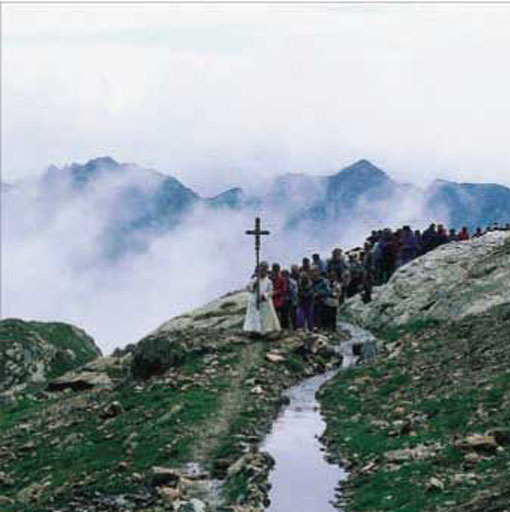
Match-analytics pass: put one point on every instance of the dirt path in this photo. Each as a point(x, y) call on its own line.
point(231, 404)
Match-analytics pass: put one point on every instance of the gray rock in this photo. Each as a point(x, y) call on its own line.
point(449, 283)
point(160, 475)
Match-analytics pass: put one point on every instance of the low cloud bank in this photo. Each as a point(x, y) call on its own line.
point(53, 268)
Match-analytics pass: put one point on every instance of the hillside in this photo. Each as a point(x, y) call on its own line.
point(175, 422)
point(425, 425)
point(165, 425)
point(33, 352)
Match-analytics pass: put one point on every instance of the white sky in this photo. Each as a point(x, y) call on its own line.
point(221, 95)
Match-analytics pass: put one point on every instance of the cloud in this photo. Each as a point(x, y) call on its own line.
point(53, 252)
point(222, 94)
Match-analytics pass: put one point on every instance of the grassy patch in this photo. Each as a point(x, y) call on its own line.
point(447, 382)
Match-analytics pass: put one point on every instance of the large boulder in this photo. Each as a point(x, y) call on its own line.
point(95, 374)
point(226, 312)
point(449, 283)
point(154, 355)
point(34, 352)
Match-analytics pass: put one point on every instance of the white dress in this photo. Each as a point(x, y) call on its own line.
point(261, 320)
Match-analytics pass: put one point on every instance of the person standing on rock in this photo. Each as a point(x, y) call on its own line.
point(261, 316)
point(464, 234)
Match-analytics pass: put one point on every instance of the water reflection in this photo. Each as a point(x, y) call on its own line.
point(302, 480)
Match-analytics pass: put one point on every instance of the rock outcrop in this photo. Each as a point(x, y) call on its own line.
point(34, 352)
point(95, 374)
point(452, 282)
point(226, 312)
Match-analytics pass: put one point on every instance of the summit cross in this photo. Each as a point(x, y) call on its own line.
point(257, 233)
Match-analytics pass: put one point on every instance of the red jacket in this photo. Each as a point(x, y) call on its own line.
point(280, 291)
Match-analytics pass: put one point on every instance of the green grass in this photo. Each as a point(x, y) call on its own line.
point(463, 388)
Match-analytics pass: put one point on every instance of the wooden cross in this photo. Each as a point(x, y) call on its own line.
point(257, 233)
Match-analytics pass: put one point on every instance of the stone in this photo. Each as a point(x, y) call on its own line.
point(226, 312)
point(501, 435)
point(420, 452)
point(5, 480)
point(33, 492)
point(434, 484)
point(156, 354)
point(257, 390)
point(160, 475)
point(80, 380)
point(30, 446)
point(472, 458)
point(5, 500)
point(274, 357)
point(479, 443)
point(428, 287)
point(111, 410)
point(169, 494)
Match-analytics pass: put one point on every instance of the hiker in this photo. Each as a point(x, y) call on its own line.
point(280, 295)
point(429, 239)
point(331, 302)
point(306, 267)
point(478, 233)
point(408, 246)
point(304, 314)
point(316, 260)
point(321, 292)
point(261, 319)
point(292, 297)
point(419, 241)
point(336, 263)
point(452, 235)
point(389, 250)
point(368, 273)
point(442, 236)
point(294, 273)
point(378, 261)
point(464, 234)
point(356, 276)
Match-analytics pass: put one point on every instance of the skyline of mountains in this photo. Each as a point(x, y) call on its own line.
point(91, 239)
point(137, 202)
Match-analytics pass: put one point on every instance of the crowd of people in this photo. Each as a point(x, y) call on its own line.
point(307, 296)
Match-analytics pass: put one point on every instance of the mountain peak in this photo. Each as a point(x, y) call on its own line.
point(231, 198)
point(364, 167)
point(101, 162)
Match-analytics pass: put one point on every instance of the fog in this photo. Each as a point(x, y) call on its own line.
point(222, 96)
point(54, 266)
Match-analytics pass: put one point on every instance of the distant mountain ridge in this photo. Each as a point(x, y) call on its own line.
point(138, 201)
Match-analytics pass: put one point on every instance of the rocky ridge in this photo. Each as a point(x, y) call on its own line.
point(31, 353)
point(454, 281)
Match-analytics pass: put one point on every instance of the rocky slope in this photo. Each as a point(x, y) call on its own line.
point(33, 352)
point(452, 282)
point(425, 426)
point(170, 424)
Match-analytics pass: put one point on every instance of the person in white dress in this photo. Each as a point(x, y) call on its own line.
point(263, 319)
